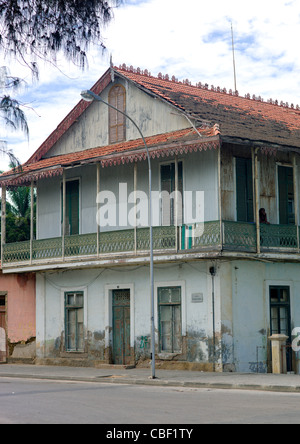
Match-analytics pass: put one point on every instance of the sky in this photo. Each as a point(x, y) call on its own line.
point(188, 39)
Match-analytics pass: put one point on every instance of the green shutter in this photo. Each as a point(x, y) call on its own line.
point(244, 190)
point(286, 195)
point(72, 207)
point(168, 184)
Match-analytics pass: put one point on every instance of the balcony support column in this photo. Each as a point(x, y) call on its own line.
point(31, 218)
point(64, 208)
point(256, 188)
point(176, 203)
point(296, 199)
point(3, 220)
point(98, 208)
point(220, 195)
point(134, 198)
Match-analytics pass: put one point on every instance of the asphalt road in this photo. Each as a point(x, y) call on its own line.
point(52, 402)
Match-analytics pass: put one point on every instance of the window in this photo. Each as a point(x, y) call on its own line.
point(244, 190)
point(286, 195)
point(74, 331)
point(169, 315)
point(117, 121)
point(280, 316)
point(167, 175)
point(72, 207)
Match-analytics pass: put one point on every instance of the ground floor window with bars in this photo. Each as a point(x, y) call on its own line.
point(74, 331)
point(169, 313)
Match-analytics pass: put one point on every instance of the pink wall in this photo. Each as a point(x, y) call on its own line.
point(21, 309)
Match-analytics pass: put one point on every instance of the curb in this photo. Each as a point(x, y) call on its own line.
point(115, 379)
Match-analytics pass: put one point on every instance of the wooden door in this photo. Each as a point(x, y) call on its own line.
point(121, 327)
point(3, 329)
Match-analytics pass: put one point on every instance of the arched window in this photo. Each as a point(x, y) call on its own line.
point(116, 121)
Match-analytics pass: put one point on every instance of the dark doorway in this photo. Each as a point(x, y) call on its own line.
point(280, 316)
point(3, 347)
point(121, 327)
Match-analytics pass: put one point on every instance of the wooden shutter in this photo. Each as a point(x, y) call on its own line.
point(117, 124)
point(286, 195)
point(244, 190)
point(168, 185)
point(72, 207)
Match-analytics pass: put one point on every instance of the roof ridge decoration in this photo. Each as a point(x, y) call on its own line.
point(205, 86)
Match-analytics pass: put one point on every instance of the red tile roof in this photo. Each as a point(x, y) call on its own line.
point(241, 117)
point(238, 118)
point(176, 142)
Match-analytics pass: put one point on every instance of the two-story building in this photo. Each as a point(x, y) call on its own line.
point(224, 278)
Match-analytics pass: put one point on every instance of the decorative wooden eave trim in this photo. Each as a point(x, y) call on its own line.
point(27, 178)
point(156, 153)
point(130, 156)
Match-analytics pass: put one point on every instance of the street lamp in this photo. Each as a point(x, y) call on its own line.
point(89, 96)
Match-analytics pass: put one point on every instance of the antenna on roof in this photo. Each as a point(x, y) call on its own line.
point(234, 72)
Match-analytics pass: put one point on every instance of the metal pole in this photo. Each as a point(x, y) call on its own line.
point(213, 273)
point(98, 207)
point(3, 221)
point(64, 207)
point(257, 202)
point(31, 220)
point(296, 194)
point(233, 56)
point(89, 96)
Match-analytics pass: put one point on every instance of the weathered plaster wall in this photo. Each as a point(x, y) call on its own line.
point(251, 309)
point(96, 284)
point(91, 129)
point(20, 313)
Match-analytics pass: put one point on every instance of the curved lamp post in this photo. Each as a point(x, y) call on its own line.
point(89, 96)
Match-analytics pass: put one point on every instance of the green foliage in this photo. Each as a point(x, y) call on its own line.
point(39, 29)
point(18, 216)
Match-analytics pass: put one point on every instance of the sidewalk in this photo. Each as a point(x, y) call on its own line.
point(171, 378)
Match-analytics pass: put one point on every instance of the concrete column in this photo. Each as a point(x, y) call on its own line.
point(3, 220)
point(98, 206)
point(278, 343)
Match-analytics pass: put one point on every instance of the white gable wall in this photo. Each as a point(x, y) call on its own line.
point(91, 130)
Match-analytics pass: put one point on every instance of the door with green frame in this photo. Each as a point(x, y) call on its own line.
point(244, 190)
point(286, 198)
point(169, 318)
point(280, 317)
point(121, 351)
point(72, 207)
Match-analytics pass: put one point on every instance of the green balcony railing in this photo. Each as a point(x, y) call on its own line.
point(239, 236)
point(278, 236)
point(121, 241)
point(228, 235)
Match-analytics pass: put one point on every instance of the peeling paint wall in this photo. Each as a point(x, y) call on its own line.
point(20, 313)
point(196, 317)
point(251, 309)
point(238, 341)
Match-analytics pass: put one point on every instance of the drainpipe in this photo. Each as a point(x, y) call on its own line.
point(257, 201)
point(220, 195)
point(296, 194)
point(3, 221)
point(212, 271)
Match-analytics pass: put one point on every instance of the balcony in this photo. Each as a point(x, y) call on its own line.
point(236, 237)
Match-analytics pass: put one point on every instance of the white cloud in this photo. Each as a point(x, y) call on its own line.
point(186, 39)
